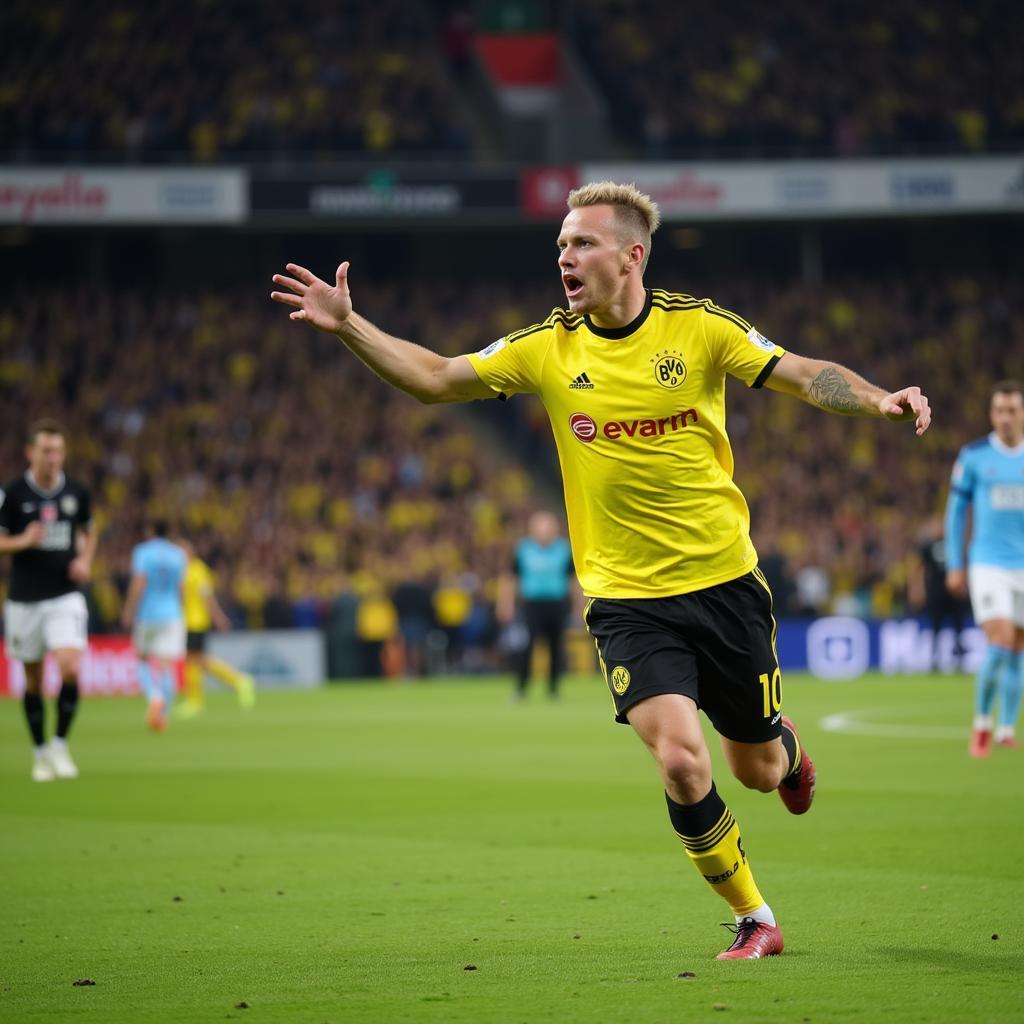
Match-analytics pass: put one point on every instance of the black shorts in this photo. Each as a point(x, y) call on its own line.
point(716, 646)
point(195, 643)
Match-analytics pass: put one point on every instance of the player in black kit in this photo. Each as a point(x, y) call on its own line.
point(46, 524)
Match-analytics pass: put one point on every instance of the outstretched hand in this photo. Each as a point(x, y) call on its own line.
point(908, 404)
point(313, 300)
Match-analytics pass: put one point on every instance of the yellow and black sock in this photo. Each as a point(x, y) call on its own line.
point(791, 745)
point(712, 840)
point(194, 683)
point(224, 672)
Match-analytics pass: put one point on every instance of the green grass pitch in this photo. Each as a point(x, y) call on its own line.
point(346, 854)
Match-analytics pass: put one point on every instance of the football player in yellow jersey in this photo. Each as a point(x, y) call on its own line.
point(202, 612)
point(633, 380)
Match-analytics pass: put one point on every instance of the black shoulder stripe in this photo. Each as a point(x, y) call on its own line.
point(731, 317)
point(679, 300)
point(675, 306)
point(766, 372)
point(560, 316)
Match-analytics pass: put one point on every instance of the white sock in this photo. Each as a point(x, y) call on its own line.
point(983, 723)
point(763, 914)
point(41, 752)
point(1005, 732)
point(59, 744)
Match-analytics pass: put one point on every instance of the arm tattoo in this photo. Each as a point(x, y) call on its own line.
point(831, 390)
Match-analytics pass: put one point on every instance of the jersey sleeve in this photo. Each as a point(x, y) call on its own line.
point(205, 580)
point(511, 365)
point(138, 562)
point(85, 510)
point(517, 560)
point(961, 494)
point(739, 349)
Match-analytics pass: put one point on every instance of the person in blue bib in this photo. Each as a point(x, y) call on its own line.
point(153, 610)
point(988, 478)
point(542, 575)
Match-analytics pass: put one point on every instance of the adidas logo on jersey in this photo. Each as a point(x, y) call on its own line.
point(581, 383)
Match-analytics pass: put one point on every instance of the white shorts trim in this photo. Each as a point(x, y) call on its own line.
point(160, 639)
point(33, 628)
point(996, 593)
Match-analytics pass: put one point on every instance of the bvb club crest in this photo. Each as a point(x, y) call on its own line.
point(620, 679)
point(669, 369)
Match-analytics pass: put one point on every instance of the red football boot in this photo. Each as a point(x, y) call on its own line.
point(1008, 742)
point(981, 743)
point(797, 791)
point(754, 939)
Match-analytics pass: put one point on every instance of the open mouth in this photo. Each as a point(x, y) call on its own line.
point(573, 285)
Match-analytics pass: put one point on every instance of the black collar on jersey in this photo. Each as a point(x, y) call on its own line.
point(615, 333)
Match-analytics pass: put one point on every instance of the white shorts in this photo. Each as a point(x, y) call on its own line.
point(997, 593)
point(160, 639)
point(32, 628)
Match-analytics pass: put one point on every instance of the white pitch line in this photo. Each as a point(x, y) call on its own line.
point(852, 722)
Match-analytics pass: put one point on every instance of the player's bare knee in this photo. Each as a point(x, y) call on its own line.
point(679, 764)
point(1000, 633)
point(69, 663)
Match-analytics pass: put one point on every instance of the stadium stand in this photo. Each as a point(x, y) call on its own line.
point(793, 79)
point(203, 82)
point(288, 461)
point(226, 81)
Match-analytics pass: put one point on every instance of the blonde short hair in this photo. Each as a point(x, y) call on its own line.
point(638, 214)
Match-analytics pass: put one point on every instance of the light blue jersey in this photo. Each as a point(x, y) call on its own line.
point(163, 565)
point(543, 570)
point(988, 478)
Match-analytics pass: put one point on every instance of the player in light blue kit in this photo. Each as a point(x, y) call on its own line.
point(154, 612)
point(988, 478)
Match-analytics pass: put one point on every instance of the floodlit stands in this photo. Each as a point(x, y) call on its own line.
point(271, 446)
point(168, 80)
point(800, 79)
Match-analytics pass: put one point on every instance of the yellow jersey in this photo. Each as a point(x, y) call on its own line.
point(638, 414)
point(196, 587)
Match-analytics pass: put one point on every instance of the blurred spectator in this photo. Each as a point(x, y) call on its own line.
point(927, 591)
point(799, 79)
point(309, 480)
point(81, 79)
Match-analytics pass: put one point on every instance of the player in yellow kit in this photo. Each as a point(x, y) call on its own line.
point(203, 612)
point(633, 380)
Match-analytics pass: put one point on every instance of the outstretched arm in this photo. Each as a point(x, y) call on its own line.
point(836, 389)
point(416, 370)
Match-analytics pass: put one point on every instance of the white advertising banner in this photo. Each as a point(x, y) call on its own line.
point(825, 188)
point(275, 657)
point(103, 195)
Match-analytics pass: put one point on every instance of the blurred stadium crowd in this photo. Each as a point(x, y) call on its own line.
point(229, 80)
point(235, 80)
point(842, 79)
point(307, 482)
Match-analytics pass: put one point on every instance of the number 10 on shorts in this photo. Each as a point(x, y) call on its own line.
point(772, 689)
